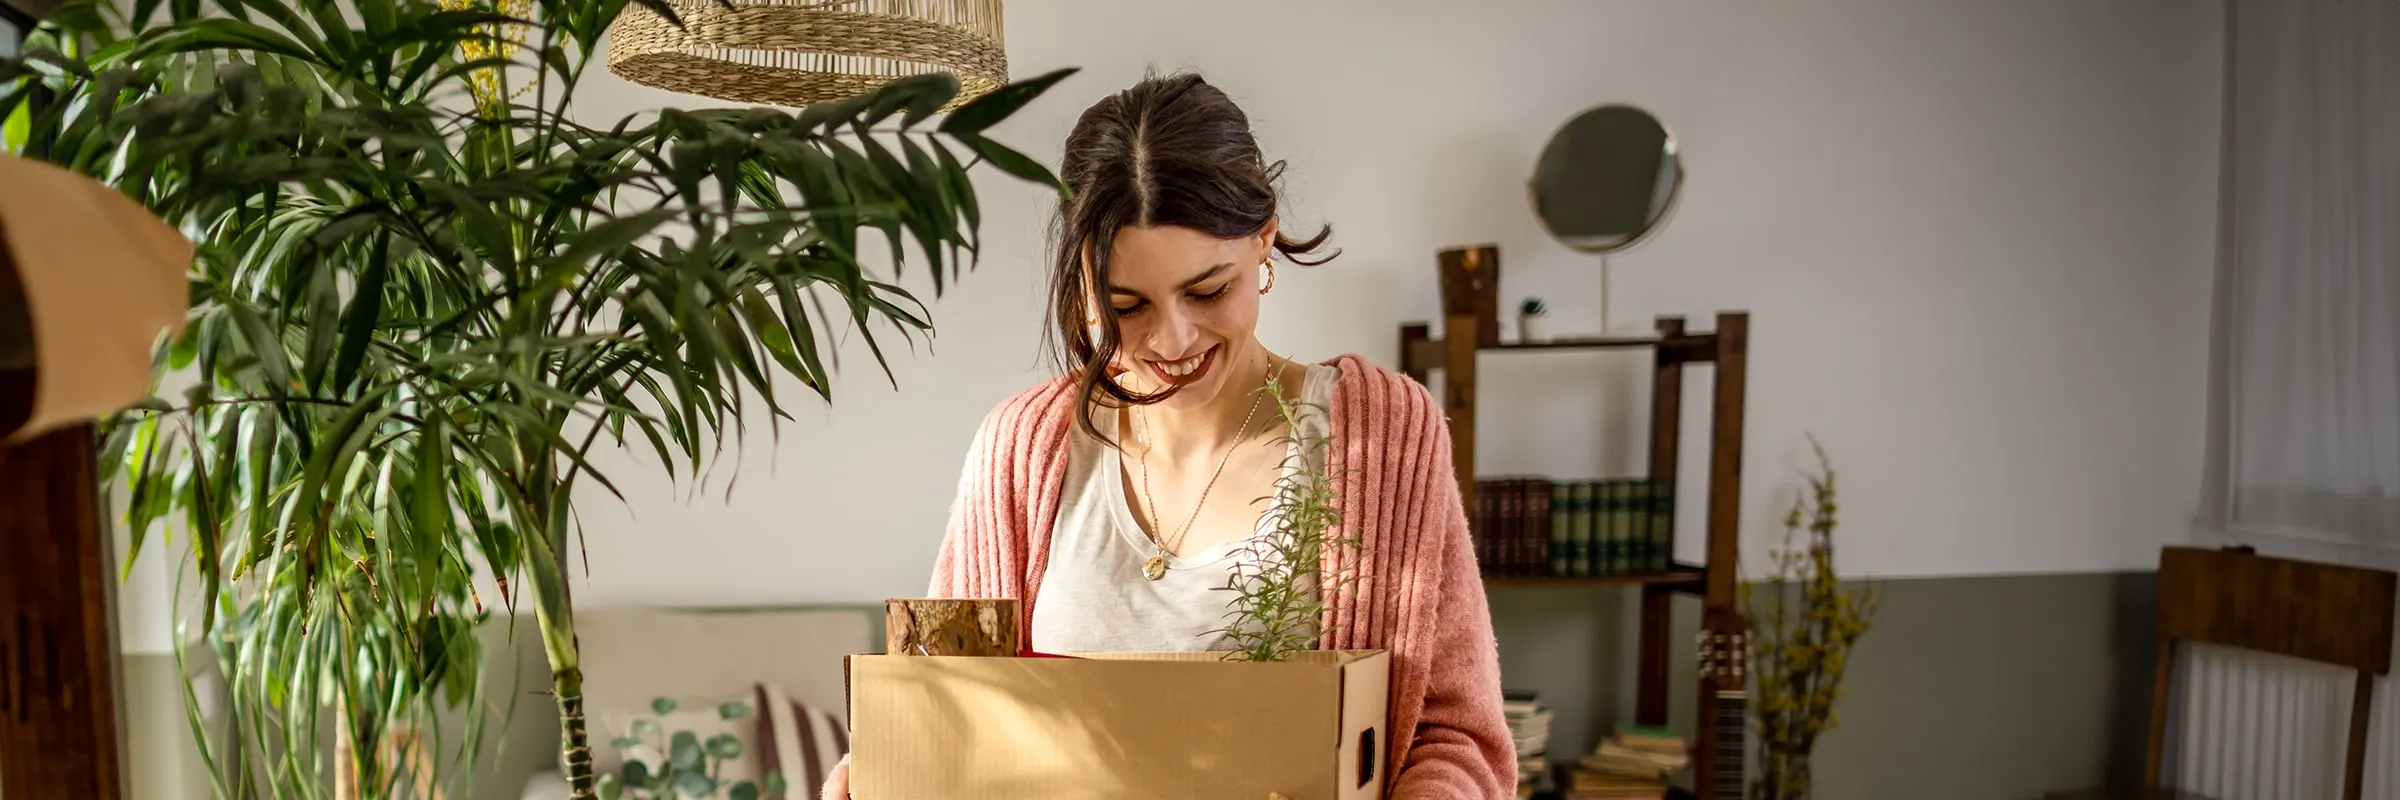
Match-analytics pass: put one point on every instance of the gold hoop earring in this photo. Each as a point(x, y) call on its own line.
point(1270, 284)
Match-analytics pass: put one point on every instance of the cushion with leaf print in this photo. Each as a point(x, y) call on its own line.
point(681, 749)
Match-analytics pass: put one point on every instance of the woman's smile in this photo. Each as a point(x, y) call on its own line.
point(1186, 371)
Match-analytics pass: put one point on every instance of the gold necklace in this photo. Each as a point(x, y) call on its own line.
point(1155, 567)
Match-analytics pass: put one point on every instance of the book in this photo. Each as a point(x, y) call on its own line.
point(1642, 737)
point(1536, 514)
point(1587, 545)
point(1529, 725)
point(1562, 529)
point(1604, 528)
point(1631, 764)
point(1510, 532)
point(1638, 547)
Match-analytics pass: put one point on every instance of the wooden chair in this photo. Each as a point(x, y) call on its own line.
point(2320, 612)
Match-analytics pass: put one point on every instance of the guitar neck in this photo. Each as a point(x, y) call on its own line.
point(1726, 754)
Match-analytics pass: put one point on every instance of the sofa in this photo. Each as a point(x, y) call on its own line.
point(703, 657)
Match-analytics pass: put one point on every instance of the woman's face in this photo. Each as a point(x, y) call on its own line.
point(1187, 307)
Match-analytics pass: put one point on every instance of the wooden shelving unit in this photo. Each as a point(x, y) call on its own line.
point(1726, 349)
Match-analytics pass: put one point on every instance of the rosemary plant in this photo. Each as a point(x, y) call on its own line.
point(1280, 582)
point(1802, 639)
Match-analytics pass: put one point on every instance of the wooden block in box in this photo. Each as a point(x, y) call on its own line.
point(1174, 726)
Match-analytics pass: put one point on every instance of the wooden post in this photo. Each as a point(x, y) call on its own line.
point(58, 644)
point(1658, 623)
point(1732, 339)
point(1658, 602)
point(1411, 335)
point(1725, 460)
point(1458, 402)
point(2354, 766)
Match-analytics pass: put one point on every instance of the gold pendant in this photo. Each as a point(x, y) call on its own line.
point(1155, 568)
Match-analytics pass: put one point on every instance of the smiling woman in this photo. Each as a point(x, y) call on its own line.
point(1118, 500)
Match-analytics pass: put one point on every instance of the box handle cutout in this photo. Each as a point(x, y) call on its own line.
point(1367, 756)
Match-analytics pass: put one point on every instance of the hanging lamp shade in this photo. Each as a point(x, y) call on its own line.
point(799, 52)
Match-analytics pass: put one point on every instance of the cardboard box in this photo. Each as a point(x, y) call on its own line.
point(1183, 726)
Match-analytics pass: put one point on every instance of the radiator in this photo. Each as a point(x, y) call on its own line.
point(2258, 726)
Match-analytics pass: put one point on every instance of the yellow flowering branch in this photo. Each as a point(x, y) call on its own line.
point(1801, 640)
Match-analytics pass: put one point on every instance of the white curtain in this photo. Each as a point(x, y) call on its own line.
point(2306, 446)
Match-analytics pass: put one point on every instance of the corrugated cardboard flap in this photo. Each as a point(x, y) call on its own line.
point(1119, 725)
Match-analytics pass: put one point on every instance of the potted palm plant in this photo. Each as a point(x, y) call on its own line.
point(425, 293)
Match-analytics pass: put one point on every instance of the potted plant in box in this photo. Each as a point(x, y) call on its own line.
point(1280, 584)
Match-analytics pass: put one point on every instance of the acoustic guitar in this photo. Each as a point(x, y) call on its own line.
point(1724, 706)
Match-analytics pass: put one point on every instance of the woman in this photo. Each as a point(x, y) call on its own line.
point(1113, 500)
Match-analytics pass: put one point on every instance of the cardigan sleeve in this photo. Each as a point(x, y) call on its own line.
point(1462, 747)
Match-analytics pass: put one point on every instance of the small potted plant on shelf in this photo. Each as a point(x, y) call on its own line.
point(1531, 315)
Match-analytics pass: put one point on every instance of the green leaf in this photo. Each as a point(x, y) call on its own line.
point(988, 110)
point(662, 706)
point(432, 519)
point(1010, 161)
point(775, 785)
point(734, 710)
point(216, 36)
point(645, 728)
point(725, 746)
point(743, 790)
point(931, 92)
point(366, 311)
point(263, 344)
point(961, 188)
point(684, 752)
point(605, 239)
point(18, 127)
point(695, 784)
point(625, 742)
point(637, 774)
point(610, 789)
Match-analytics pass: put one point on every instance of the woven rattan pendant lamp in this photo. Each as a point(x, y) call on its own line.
point(799, 52)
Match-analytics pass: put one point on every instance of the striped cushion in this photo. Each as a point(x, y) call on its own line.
point(801, 742)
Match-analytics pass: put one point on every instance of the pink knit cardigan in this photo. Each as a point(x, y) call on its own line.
point(1421, 596)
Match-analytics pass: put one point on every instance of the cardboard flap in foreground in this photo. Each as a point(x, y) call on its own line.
point(1136, 725)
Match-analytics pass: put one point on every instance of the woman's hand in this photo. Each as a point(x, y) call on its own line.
point(837, 784)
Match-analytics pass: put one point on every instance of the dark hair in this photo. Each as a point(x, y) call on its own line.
point(1170, 150)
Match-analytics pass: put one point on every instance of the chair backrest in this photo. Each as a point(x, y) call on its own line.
point(2320, 612)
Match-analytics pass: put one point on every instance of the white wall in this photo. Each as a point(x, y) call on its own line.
point(1975, 239)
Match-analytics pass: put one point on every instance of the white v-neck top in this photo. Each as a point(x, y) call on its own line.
point(1093, 596)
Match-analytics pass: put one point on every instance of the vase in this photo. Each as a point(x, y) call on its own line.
point(1784, 776)
point(1531, 329)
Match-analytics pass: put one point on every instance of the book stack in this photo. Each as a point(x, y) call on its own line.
point(1529, 724)
point(1536, 527)
point(1633, 764)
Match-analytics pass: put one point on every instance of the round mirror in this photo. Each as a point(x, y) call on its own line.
point(1607, 178)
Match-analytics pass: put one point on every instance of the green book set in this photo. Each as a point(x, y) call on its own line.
point(1538, 527)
